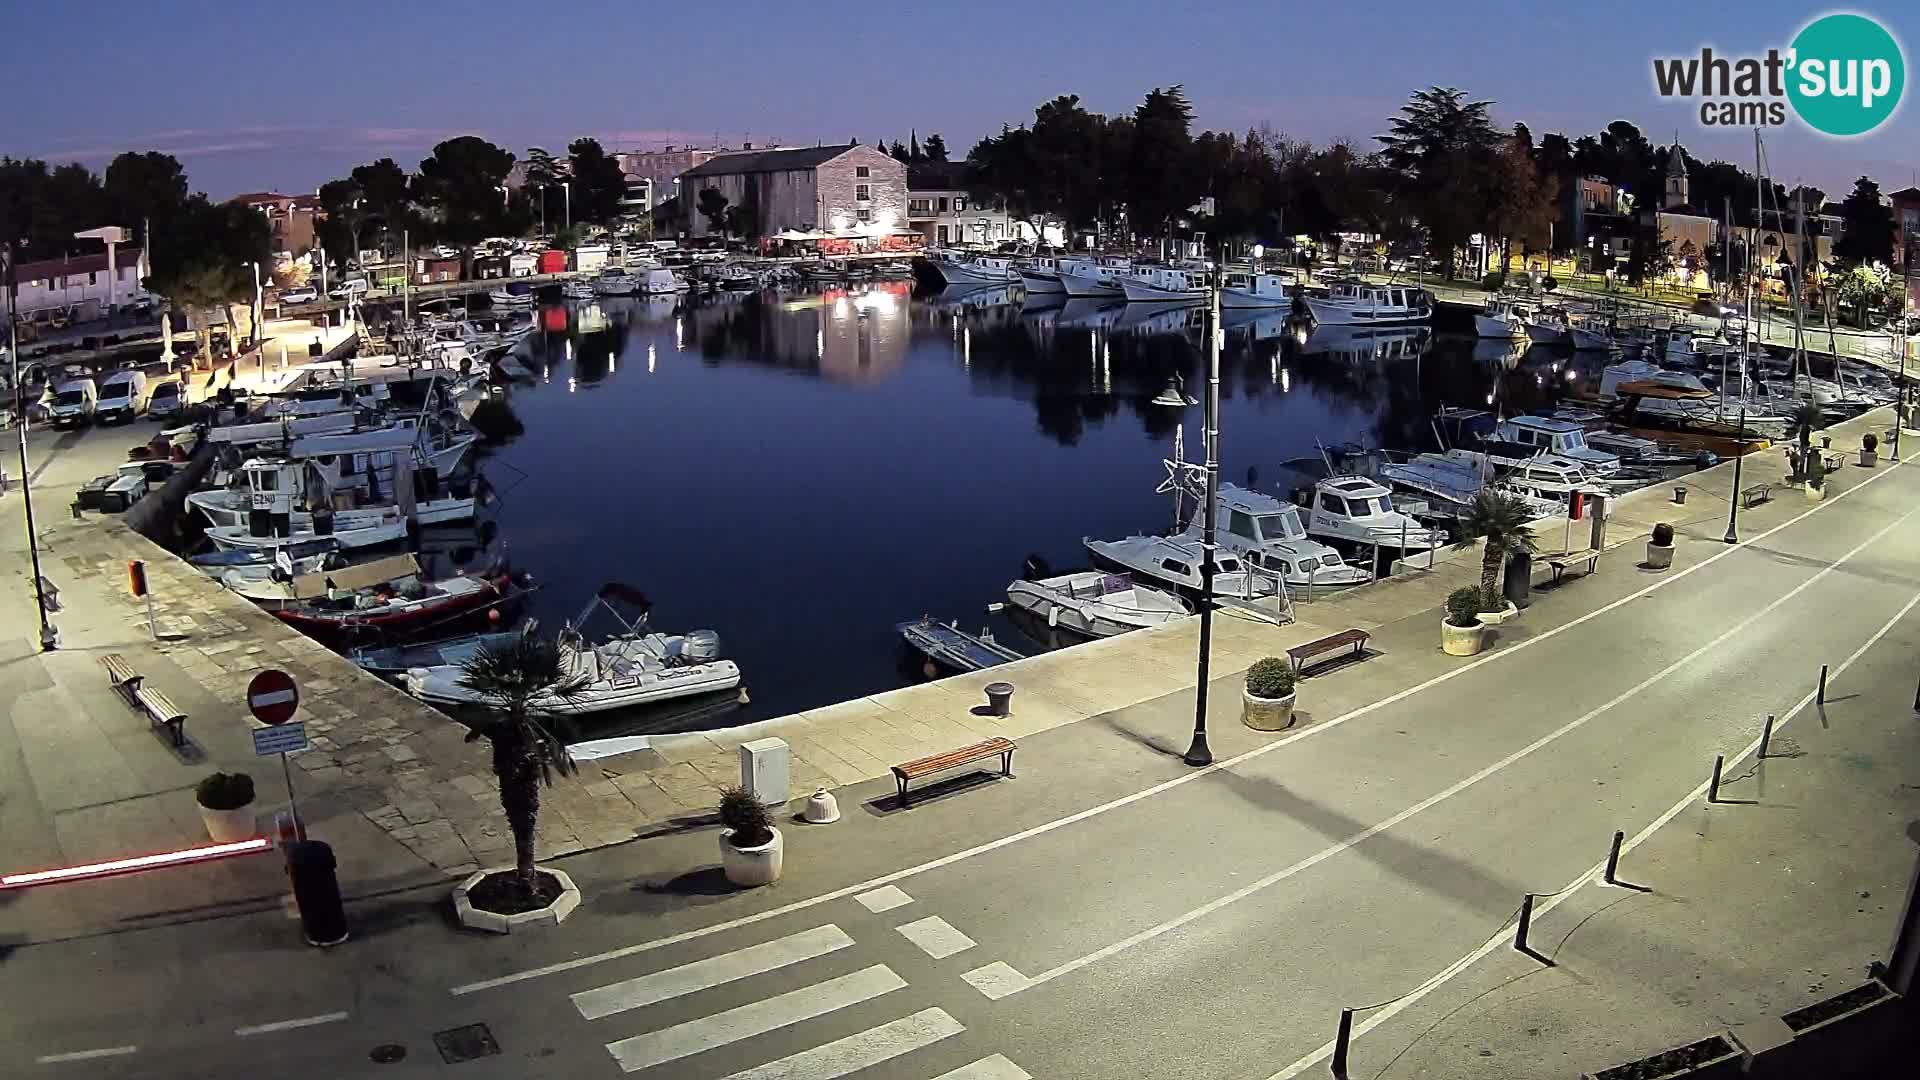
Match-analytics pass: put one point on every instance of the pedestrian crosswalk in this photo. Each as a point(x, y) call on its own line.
point(770, 1032)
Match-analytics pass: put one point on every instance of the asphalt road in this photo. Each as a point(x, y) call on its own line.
point(1153, 921)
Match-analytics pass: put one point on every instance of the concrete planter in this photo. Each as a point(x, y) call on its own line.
point(1266, 714)
point(1864, 1037)
point(1869, 458)
point(1462, 640)
point(1659, 556)
point(1815, 494)
point(1495, 618)
point(1714, 1057)
point(229, 826)
point(753, 866)
point(480, 919)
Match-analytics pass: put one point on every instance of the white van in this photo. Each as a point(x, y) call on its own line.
point(73, 403)
point(165, 400)
point(122, 397)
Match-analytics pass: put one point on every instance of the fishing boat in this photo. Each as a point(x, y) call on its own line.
point(516, 295)
point(1590, 333)
point(1451, 480)
point(947, 646)
point(388, 528)
point(1645, 408)
point(1176, 562)
point(1241, 289)
point(1521, 437)
point(396, 660)
point(652, 279)
point(1041, 276)
point(384, 596)
point(218, 562)
point(960, 269)
point(281, 567)
point(1502, 317)
point(633, 666)
point(1093, 603)
point(1094, 278)
point(1358, 511)
point(1165, 285)
point(1268, 534)
point(1550, 326)
point(612, 282)
point(579, 289)
point(289, 490)
point(1361, 304)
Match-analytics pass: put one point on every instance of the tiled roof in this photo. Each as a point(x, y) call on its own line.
point(753, 161)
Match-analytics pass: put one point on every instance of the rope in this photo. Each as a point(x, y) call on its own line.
point(1435, 978)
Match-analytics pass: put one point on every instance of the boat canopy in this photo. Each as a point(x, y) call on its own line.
point(350, 578)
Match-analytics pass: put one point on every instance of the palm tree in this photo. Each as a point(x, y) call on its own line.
point(525, 753)
point(1804, 418)
point(1502, 520)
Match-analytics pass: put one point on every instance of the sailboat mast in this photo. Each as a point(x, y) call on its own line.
point(1753, 260)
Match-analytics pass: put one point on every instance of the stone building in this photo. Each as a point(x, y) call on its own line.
point(290, 219)
point(846, 190)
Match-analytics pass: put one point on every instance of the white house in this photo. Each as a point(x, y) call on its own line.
point(941, 211)
point(97, 282)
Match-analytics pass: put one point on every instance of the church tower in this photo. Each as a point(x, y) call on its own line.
point(1676, 194)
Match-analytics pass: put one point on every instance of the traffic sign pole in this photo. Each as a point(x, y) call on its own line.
point(299, 823)
point(272, 697)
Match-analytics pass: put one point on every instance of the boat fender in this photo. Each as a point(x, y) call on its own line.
point(1036, 567)
point(1053, 616)
point(743, 698)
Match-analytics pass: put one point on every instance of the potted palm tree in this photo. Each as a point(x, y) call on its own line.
point(751, 849)
point(1501, 521)
point(1267, 702)
point(226, 806)
point(526, 755)
point(1869, 450)
point(1660, 547)
point(1461, 633)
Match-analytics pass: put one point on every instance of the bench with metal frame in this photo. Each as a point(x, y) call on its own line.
point(132, 686)
point(913, 770)
point(1562, 563)
point(1751, 497)
point(1300, 654)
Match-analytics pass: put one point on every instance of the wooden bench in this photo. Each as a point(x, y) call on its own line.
point(1300, 654)
point(1562, 563)
point(979, 751)
point(163, 712)
point(1753, 496)
point(121, 675)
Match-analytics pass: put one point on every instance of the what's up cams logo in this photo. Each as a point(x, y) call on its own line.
point(1842, 76)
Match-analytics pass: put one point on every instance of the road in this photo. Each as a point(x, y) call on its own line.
point(1111, 913)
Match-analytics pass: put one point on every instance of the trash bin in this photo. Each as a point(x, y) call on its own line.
point(323, 918)
point(1518, 586)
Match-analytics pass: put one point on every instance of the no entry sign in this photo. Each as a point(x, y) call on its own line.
point(272, 697)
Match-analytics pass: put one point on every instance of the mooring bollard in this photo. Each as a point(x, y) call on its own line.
point(1821, 697)
point(1613, 857)
point(1340, 1040)
point(1526, 918)
point(1713, 788)
point(1766, 735)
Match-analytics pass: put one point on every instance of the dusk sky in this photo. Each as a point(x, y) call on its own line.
point(277, 96)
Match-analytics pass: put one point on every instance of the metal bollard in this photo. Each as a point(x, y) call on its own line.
point(1821, 697)
point(1713, 788)
point(1766, 735)
point(1526, 918)
point(1340, 1040)
point(1613, 857)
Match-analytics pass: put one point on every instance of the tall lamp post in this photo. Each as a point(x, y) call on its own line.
point(1733, 500)
point(1199, 753)
point(49, 638)
point(566, 195)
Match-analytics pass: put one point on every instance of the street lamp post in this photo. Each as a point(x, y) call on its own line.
point(566, 193)
point(49, 638)
point(1198, 753)
point(1733, 500)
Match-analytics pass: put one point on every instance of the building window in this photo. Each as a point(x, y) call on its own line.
point(862, 171)
point(863, 193)
point(959, 206)
point(943, 204)
point(918, 207)
point(93, 277)
point(863, 215)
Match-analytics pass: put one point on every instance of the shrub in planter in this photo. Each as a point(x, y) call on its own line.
point(1660, 547)
point(1461, 633)
point(1494, 281)
point(1663, 534)
point(751, 851)
point(1869, 445)
point(226, 806)
point(1267, 704)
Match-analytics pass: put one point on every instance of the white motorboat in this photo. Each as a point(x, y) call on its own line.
point(633, 667)
point(579, 289)
point(279, 567)
point(656, 280)
point(1358, 303)
point(1268, 534)
point(1241, 289)
point(1549, 326)
point(1359, 511)
point(1451, 480)
point(1502, 317)
point(1688, 350)
point(1089, 278)
point(611, 282)
point(1165, 284)
point(389, 528)
point(507, 297)
point(290, 489)
point(1589, 332)
point(1094, 603)
point(1523, 437)
point(958, 269)
point(1041, 276)
point(1176, 562)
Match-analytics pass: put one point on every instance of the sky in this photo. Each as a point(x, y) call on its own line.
point(285, 97)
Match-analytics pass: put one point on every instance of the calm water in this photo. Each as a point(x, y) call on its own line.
point(802, 471)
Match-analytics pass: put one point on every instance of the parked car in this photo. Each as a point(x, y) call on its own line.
point(73, 403)
point(351, 289)
point(122, 397)
point(305, 294)
point(167, 398)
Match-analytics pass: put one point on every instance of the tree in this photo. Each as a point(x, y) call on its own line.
point(144, 187)
point(599, 185)
point(462, 183)
point(1501, 521)
point(1868, 228)
point(898, 152)
point(1160, 182)
point(1522, 203)
point(713, 207)
point(517, 678)
point(1865, 287)
point(388, 192)
point(914, 156)
point(1442, 145)
point(200, 258)
point(935, 148)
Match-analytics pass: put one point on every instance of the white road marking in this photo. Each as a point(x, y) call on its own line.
point(713, 971)
point(1446, 974)
point(936, 937)
point(996, 980)
point(828, 1061)
point(885, 898)
point(996, 1067)
point(1157, 789)
point(288, 1025)
point(757, 1018)
point(85, 1055)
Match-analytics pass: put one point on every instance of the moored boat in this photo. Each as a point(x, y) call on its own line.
point(1093, 603)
